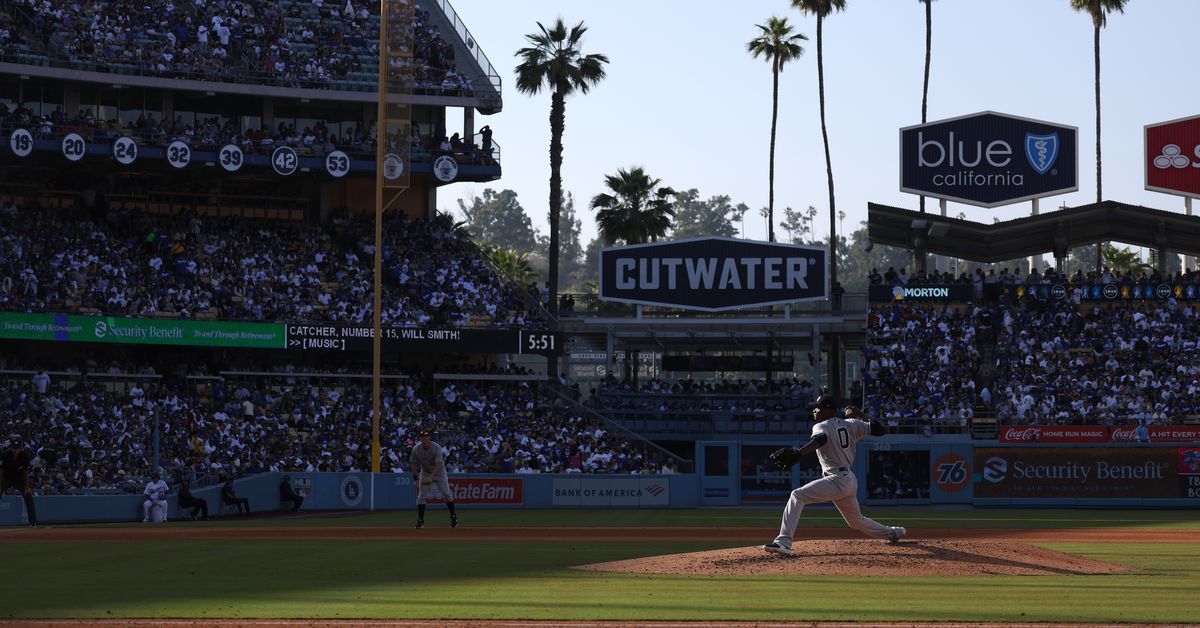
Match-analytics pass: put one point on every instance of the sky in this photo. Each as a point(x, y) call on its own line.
point(685, 100)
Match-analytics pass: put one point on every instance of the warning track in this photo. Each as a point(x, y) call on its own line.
point(168, 533)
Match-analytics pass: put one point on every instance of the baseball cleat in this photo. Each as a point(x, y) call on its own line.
point(420, 523)
point(775, 548)
point(453, 522)
point(897, 534)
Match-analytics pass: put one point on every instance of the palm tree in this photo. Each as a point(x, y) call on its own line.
point(513, 264)
point(1099, 10)
point(635, 210)
point(928, 57)
point(554, 62)
point(777, 45)
point(822, 9)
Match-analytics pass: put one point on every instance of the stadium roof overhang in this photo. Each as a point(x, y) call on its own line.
point(1052, 232)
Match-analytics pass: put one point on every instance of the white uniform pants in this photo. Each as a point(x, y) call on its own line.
point(841, 488)
point(440, 485)
point(155, 511)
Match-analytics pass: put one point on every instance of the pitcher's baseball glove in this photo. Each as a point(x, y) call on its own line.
point(785, 457)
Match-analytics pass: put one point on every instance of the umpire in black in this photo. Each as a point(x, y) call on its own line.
point(15, 465)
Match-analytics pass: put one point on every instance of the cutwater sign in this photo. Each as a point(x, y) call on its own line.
point(989, 159)
point(713, 273)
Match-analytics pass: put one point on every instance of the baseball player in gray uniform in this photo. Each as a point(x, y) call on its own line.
point(429, 471)
point(834, 439)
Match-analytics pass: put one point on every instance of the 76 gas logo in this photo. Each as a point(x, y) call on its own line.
point(951, 473)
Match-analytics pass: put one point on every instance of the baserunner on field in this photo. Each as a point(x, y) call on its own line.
point(834, 439)
point(429, 471)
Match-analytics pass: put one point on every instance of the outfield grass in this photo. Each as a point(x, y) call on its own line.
point(531, 579)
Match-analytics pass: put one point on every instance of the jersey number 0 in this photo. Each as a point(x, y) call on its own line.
point(843, 437)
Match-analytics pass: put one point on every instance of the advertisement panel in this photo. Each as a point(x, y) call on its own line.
point(1159, 433)
point(1054, 434)
point(295, 337)
point(713, 274)
point(950, 293)
point(507, 491)
point(592, 491)
point(117, 330)
point(1173, 157)
point(989, 159)
point(1077, 472)
point(319, 337)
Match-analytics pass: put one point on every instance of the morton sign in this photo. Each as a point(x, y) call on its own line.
point(713, 274)
point(989, 159)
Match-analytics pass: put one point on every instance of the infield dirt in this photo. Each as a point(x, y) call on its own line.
point(945, 557)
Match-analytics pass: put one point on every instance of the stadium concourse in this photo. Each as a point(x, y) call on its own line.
point(1022, 356)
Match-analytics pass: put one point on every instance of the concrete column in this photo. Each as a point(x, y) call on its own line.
point(168, 106)
point(816, 351)
point(71, 100)
point(431, 202)
point(1189, 261)
point(468, 125)
point(1036, 261)
point(268, 113)
point(609, 359)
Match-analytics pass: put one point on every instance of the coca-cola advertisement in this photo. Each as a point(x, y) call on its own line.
point(1054, 434)
point(1157, 434)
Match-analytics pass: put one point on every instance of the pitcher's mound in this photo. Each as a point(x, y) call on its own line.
point(873, 558)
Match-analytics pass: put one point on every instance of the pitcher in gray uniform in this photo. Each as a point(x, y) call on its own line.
point(429, 471)
point(834, 439)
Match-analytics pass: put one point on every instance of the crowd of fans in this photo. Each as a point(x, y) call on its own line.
point(295, 43)
point(689, 397)
point(91, 435)
point(1032, 357)
point(132, 263)
point(922, 361)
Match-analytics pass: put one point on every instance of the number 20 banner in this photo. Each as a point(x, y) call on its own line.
point(125, 150)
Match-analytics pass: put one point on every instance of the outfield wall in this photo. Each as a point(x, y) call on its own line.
point(900, 470)
point(384, 491)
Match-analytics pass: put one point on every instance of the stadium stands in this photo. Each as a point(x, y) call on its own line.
point(292, 43)
point(1022, 355)
point(187, 266)
point(94, 433)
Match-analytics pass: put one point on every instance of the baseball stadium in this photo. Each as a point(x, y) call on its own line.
point(287, 339)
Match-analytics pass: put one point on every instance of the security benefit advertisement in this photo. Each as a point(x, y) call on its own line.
point(1086, 473)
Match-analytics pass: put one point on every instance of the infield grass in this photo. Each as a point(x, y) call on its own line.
point(532, 579)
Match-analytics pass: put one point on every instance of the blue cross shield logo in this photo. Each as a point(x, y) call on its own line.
point(1041, 151)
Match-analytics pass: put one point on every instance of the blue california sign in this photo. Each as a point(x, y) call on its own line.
point(989, 159)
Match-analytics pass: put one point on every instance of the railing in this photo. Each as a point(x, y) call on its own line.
point(489, 72)
point(682, 465)
point(591, 306)
point(532, 300)
point(158, 137)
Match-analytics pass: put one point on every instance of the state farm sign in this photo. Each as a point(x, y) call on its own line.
point(484, 491)
point(1054, 434)
point(1173, 157)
